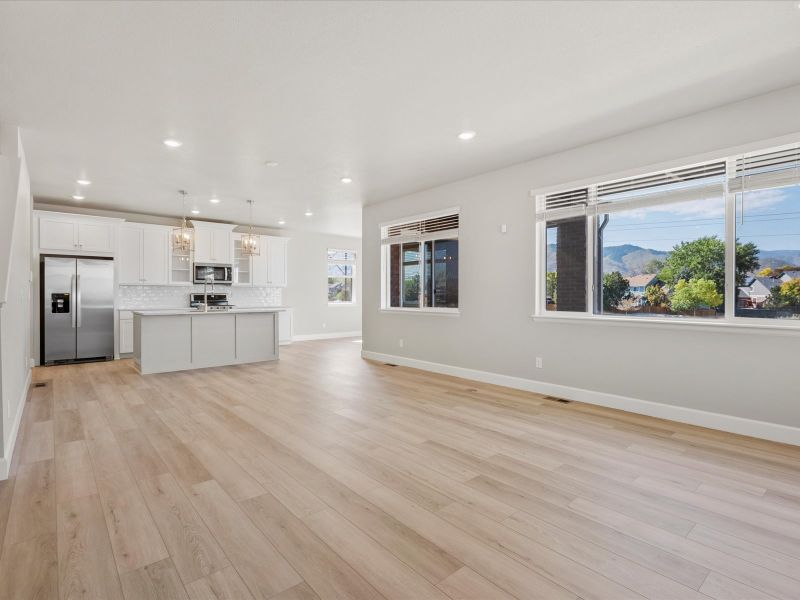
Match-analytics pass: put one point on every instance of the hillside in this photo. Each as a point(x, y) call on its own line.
point(631, 260)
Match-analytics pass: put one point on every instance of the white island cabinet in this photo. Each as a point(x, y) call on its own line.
point(179, 340)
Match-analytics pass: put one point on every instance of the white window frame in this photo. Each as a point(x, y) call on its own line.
point(386, 274)
point(351, 263)
point(730, 320)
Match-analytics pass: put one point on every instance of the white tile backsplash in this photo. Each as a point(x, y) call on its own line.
point(170, 296)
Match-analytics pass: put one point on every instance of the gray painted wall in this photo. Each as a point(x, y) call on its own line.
point(15, 301)
point(734, 372)
point(307, 292)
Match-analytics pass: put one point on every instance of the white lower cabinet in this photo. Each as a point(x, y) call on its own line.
point(125, 332)
point(285, 327)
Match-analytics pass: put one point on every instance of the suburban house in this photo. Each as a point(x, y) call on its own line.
point(789, 275)
point(639, 283)
point(755, 293)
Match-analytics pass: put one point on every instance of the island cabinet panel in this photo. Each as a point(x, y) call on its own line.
point(213, 340)
point(256, 337)
point(162, 343)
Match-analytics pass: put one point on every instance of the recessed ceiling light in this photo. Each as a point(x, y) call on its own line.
point(194, 211)
point(173, 143)
point(78, 197)
point(281, 222)
point(83, 182)
point(214, 200)
point(271, 163)
point(466, 136)
point(308, 213)
point(346, 180)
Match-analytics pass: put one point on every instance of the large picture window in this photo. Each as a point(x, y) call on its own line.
point(719, 240)
point(421, 264)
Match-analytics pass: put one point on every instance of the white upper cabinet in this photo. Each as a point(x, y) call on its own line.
point(267, 269)
point(129, 256)
point(75, 233)
point(57, 234)
point(260, 264)
point(95, 237)
point(213, 242)
point(155, 255)
point(277, 272)
point(143, 257)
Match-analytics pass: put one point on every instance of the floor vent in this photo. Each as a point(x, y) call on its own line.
point(40, 384)
point(389, 365)
point(554, 399)
point(472, 390)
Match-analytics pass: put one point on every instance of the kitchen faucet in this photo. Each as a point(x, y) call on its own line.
point(205, 290)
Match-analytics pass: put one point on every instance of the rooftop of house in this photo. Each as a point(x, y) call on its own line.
point(641, 280)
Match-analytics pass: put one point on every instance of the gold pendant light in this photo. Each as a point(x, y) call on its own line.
point(182, 236)
point(250, 246)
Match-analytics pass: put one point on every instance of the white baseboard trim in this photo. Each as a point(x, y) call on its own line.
point(325, 336)
point(681, 414)
point(8, 450)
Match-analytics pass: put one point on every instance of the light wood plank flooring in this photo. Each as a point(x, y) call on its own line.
point(327, 476)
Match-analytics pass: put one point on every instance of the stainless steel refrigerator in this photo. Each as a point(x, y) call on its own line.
point(77, 309)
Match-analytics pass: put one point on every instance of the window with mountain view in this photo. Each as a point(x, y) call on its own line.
point(421, 264)
point(663, 260)
point(770, 221)
point(678, 243)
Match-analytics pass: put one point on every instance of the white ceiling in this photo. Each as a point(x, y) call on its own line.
point(376, 91)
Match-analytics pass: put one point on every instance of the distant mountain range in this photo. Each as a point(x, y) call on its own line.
point(631, 260)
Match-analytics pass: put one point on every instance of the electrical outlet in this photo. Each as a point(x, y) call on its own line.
point(538, 362)
point(401, 342)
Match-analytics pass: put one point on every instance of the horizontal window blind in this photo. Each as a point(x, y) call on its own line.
point(696, 182)
point(776, 168)
point(674, 185)
point(444, 226)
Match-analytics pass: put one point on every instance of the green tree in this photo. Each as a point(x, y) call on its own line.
point(653, 266)
point(746, 261)
point(656, 296)
point(775, 298)
point(784, 295)
point(704, 258)
point(766, 272)
point(790, 290)
point(552, 285)
point(695, 293)
point(615, 289)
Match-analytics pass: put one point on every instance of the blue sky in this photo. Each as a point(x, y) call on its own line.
point(771, 220)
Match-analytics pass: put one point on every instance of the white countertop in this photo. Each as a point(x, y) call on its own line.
point(189, 311)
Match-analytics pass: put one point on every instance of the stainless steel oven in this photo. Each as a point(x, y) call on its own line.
point(221, 274)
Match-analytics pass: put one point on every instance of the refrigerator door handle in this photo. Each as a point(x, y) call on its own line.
point(74, 308)
point(78, 298)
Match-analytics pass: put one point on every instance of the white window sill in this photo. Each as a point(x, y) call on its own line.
point(438, 312)
point(738, 325)
point(342, 304)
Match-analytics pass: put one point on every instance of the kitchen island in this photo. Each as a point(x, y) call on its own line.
point(179, 340)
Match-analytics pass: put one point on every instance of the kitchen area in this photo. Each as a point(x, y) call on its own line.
point(171, 298)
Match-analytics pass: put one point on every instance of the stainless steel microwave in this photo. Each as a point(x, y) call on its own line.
point(221, 274)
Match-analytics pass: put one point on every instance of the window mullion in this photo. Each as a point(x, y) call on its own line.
point(730, 247)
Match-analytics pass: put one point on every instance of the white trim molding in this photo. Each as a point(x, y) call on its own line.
point(325, 336)
point(10, 443)
point(750, 427)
